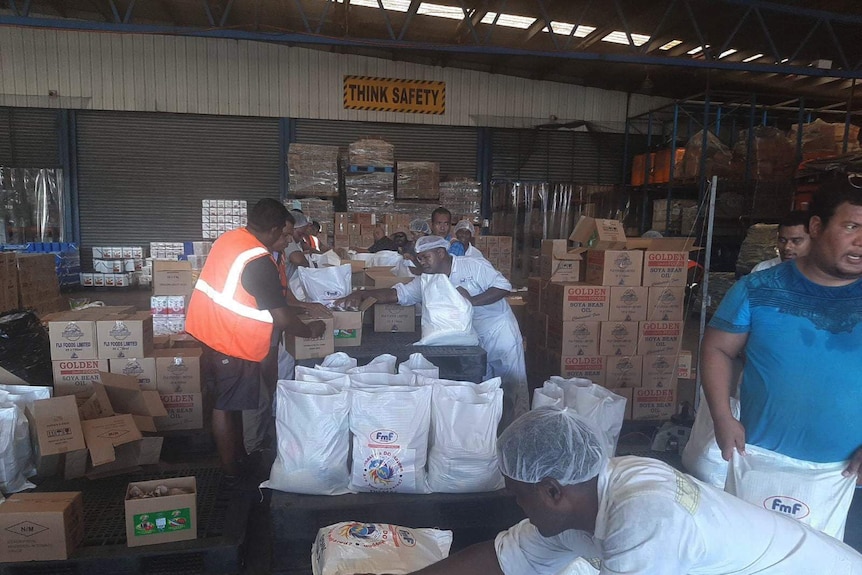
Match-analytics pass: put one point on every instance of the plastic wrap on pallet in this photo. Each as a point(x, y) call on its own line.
point(418, 180)
point(24, 348)
point(463, 198)
point(370, 192)
point(773, 156)
point(718, 157)
point(313, 170)
point(38, 285)
point(37, 197)
point(372, 153)
point(719, 284)
point(758, 245)
point(822, 139)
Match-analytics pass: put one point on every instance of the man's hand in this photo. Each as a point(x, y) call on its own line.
point(855, 467)
point(317, 328)
point(314, 307)
point(465, 293)
point(350, 302)
point(730, 435)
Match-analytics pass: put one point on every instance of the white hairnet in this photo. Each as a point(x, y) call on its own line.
point(550, 443)
point(426, 243)
point(464, 225)
point(299, 219)
point(419, 227)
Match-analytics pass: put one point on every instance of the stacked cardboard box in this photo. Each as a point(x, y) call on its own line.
point(354, 229)
point(220, 216)
point(660, 223)
point(616, 319)
point(8, 281)
point(38, 287)
point(313, 170)
point(372, 192)
point(173, 282)
point(463, 198)
point(498, 251)
point(418, 180)
point(115, 266)
point(371, 153)
point(320, 211)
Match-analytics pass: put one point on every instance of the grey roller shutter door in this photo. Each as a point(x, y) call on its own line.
point(29, 138)
point(141, 177)
point(557, 156)
point(453, 147)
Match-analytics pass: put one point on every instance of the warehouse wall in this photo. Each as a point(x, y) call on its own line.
point(139, 72)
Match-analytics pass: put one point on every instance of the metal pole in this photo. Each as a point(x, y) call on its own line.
point(847, 118)
point(704, 299)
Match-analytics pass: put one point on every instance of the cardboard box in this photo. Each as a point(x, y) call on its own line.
point(377, 278)
point(623, 371)
point(74, 376)
point(628, 303)
point(71, 336)
point(394, 318)
point(659, 371)
point(143, 369)
point(105, 433)
point(558, 263)
point(55, 426)
point(128, 458)
point(127, 397)
point(41, 526)
point(573, 337)
point(172, 278)
point(185, 411)
point(666, 303)
point(576, 301)
point(660, 337)
point(619, 338)
point(685, 370)
point(348, 325)
point(124, 336)
point(311, 348)
point(162, 519)
point(178, 370)
point(653, 403)
point(590, 367)
point(614, 267)
point(599, 234)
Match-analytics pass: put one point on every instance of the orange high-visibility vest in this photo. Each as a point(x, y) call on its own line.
point(222, 314)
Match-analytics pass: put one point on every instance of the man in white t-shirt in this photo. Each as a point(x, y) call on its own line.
point(793, 240)
point(591, 515)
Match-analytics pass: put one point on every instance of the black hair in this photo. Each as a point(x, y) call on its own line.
point(832, 194)
point(268, 214)
point(795, 218)
point(441, 211)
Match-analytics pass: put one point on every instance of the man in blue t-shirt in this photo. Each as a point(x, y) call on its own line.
point(799, 325)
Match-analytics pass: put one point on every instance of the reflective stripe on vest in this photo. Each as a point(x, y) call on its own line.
point(234, 276)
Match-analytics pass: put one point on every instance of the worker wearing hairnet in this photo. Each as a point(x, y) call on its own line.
point(634, 515)
point(493, 320)
point(463, 233)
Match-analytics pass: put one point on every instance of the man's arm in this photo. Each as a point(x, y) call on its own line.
point(382, 295)
point(718, 352)
point(285, 319)
point(487, 297)
point(478, 559)
point(298, 259)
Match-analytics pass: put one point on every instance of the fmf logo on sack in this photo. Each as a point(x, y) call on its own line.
point(787, 506)
point(383, 436)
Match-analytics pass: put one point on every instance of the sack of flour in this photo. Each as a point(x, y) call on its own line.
point(364, 380)
point(384, 363)
point(462, 456)
point(336, 378)
point(447, 317)
point(417, 364)
point(354, 547)
point(701, 456)
point(390, 438)
point(338, 361)
point(814, 493)
point(313, 436)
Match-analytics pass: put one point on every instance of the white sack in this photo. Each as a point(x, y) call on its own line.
point(701, 456)
point(326, 259)
point(370, 379)
point(313, 435)
point(335, 378)
point(579, 566)
point(325, 285)
point(353, 547)
point(418, 364)
point(286, 363)
point(384, 258)
point(295, 285)
point(462, 456)
point(390, 438)
point(24, 395)
point(598, 404)
point(381, 364)
point(16, 455)
point(447, 316)
point(338, 361)
point(813, 493)
point(402, 269)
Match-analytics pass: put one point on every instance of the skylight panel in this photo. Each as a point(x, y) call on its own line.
point(440, 11)
point(510, 20)
point(565, 29)
point(617, 37)
point(671, 44)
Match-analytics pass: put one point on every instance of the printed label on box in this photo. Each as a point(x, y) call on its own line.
point(166, 521)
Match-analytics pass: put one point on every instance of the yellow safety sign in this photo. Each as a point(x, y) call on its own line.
point(394, 95)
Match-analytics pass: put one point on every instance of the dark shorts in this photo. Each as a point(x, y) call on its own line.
point(234, 382)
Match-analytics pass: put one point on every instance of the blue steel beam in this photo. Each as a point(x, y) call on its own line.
point(207, 10)
point(653, 37)
point(311, 39)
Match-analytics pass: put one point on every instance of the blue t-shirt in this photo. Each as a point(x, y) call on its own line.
point(457, 249)
point(801, 391)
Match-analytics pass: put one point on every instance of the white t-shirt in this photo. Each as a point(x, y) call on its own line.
point(766, 264)
point(656, 520)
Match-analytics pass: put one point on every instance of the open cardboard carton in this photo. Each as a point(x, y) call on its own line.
point(56, 433)
point(162, 519)
point(125, 396)
point(599, 234)
point(347, 325)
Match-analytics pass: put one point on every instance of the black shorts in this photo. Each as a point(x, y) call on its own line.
point(235, 382)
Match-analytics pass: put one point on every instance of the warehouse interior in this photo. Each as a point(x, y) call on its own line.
point(136, 133)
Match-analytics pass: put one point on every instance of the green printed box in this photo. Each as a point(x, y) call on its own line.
point(172, 516)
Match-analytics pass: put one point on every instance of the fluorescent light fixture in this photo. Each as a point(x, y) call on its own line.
point(753, 58)
point(394, 5)
point(565, 29)
point(510, 20)
point(428, 9)
point(671, 44)
point(697, 50)
point(617, 37)
point(727, 53)
point(786, 60)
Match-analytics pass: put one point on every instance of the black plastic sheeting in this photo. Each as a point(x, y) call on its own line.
point(24, 348)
